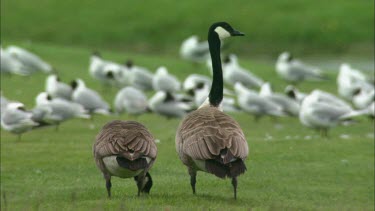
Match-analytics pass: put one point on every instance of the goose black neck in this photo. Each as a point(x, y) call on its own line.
point(216, 92)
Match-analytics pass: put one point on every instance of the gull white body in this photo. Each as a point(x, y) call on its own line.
point(58, 89)
point(233, 72)
point(163, 81)
point(31, 61)
point(251, 102)
point(89, 99)
point(296, 71)
point(159, 103)
point(193, 50)
point(15, 120)
point(130, 100)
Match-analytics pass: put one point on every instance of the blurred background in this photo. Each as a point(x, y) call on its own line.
point(157, 27)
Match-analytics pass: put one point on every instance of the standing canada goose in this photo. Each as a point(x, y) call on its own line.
point(207, 139)
point(125, 149)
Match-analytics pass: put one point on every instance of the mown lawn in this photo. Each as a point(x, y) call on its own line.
point(318, 26)
point(290, 167)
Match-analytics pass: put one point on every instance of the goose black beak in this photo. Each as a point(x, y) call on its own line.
point(237, 33)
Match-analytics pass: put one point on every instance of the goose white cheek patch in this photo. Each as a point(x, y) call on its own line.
point(222, 32)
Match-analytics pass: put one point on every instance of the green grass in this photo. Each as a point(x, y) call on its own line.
point(160, 26)
point(289, 167)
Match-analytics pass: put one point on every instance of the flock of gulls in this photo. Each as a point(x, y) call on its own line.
point(207, 139)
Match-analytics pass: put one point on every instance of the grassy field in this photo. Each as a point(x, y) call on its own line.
point(289, 168)
point(159, 26)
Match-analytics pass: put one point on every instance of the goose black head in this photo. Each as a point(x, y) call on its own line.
point(74, 84)
point(224, 30)
point(49, 98)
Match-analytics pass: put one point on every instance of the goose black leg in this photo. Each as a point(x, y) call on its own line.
point(234, 183)
point(139, 179)
point(193, 178)
point(108, 185)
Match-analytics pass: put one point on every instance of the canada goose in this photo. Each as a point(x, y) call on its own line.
point(250, 101)
point(58, 89)
point(11, 65)
point(207, 139)
point(193, 50)
point(31, 61)
point(295, 71)
point(164, 81)
point(59, 109)
point(136, 76)
point(130, 100)
point(125, 149)
point(233, 72)
point(288, 105)
point(323, 114)
point(16, 119)
point(349, 80)
point(88, 98)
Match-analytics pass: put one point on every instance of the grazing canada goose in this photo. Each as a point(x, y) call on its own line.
point(233, 72)
point(16, 119)
point(207, 139)
point(163, 81)
point(58, 89)
point(88, 98)
point(130, 100)
point(193, 50)
point(295, 71)
point(125, 149)
point(31, 61)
